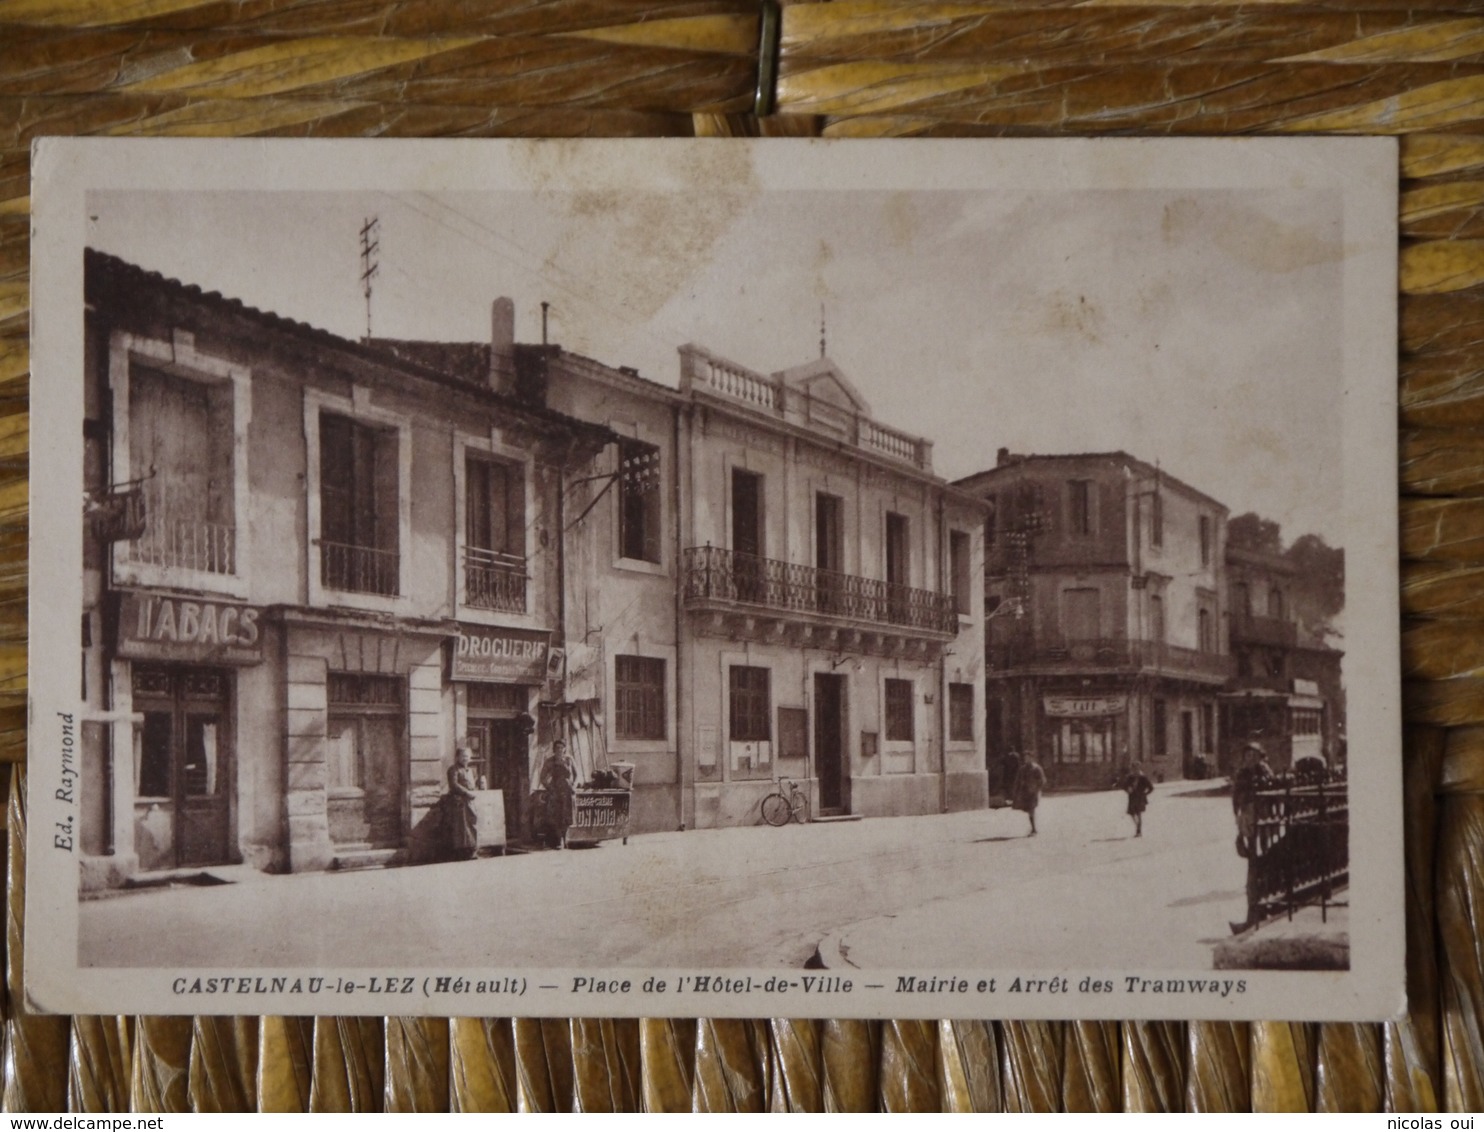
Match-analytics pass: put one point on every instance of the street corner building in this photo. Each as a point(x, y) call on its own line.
point(315, 566)
point(1123, 627)
point(311, 567)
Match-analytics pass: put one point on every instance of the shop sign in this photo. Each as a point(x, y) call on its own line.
point(484, 652)
point(166, 627)
point(1076, 706)
point(598, 815)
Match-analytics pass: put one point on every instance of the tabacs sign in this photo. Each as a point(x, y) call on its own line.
point(197, 630)
point(486, 652)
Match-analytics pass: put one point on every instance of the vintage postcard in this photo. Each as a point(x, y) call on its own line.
point(697, 578)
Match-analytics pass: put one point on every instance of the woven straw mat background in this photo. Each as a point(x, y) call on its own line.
point(853, 68)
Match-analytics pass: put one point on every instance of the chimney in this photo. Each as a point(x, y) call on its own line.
point(1002, 457)
point(502, 345)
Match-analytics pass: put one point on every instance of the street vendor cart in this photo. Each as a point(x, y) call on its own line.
point(601, 811)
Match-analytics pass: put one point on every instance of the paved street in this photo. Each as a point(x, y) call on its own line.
point(951, 891)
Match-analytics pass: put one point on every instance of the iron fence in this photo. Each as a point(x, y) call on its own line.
point(1299, 852)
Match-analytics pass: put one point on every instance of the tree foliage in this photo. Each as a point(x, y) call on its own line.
point(1318, 587)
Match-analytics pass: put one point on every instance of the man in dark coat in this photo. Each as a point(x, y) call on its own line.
point(1029, 781)
point(1138, 787)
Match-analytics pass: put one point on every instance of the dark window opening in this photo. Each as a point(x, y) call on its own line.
point(639, 697)
point(961, 712)
point(1079, 506)
point(639, 501)
point(899, 713)
point(958, 557)
point(751, 704)
point(358, 506)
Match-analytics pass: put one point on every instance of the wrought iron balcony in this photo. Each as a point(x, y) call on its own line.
point(187, 545)
point(718, 578)
point(359, 569)
point(173, 535)
point(1251, 629)
point(494, 581)
point(1110, 654)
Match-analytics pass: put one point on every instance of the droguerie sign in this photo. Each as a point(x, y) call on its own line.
point(165, 627)
point(492, 653)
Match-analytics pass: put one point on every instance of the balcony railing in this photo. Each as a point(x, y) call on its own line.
point(1263, 630)
point(185, 544)
point(175, 537)
point(715, 574)
point(1110, 653)
point(494, 581)
point(358, 569)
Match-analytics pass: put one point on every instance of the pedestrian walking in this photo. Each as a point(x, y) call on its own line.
point(1029, 781)
point(1138, 787)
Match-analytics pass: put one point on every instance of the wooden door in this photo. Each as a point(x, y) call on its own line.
point(831, 761)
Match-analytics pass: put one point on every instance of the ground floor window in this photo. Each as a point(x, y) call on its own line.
point(961, 712)
point(1089, 740)
point(750, 721)
point(751, 714)
point(899, 711)
point(365, 750)
point(639, 697)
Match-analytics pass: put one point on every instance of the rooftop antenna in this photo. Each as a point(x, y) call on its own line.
point(545, 306)
point(821, 329)
point(370, 244)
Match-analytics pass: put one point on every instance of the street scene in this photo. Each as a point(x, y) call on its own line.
point(971, 890)
point(512, 610)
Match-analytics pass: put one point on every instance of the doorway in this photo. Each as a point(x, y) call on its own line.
point(183, 765)
point(498, 750)
point(747, 535)
point(829, 552)
point(830, 753)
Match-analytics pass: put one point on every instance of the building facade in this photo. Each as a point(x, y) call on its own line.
point(1106, 630)
point(774, 585)
point(1285, 694)
point(311, 567)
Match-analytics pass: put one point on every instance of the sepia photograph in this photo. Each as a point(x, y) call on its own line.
point(757, 578)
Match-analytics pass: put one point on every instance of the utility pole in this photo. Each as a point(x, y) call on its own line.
point(370, 244)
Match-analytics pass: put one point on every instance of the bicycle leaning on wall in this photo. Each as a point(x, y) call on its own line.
point(780, 808)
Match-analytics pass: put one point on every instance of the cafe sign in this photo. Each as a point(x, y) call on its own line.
point(195, 630)
point(1076, 706)
point(485, 652)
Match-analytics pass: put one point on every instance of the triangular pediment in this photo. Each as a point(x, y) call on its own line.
point(824, 381)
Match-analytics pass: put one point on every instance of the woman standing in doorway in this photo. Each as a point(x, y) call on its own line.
point(460, 835)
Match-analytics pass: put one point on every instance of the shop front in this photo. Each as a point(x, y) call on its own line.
point(176, 675)
point(1088, 738)
point(497, 673)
